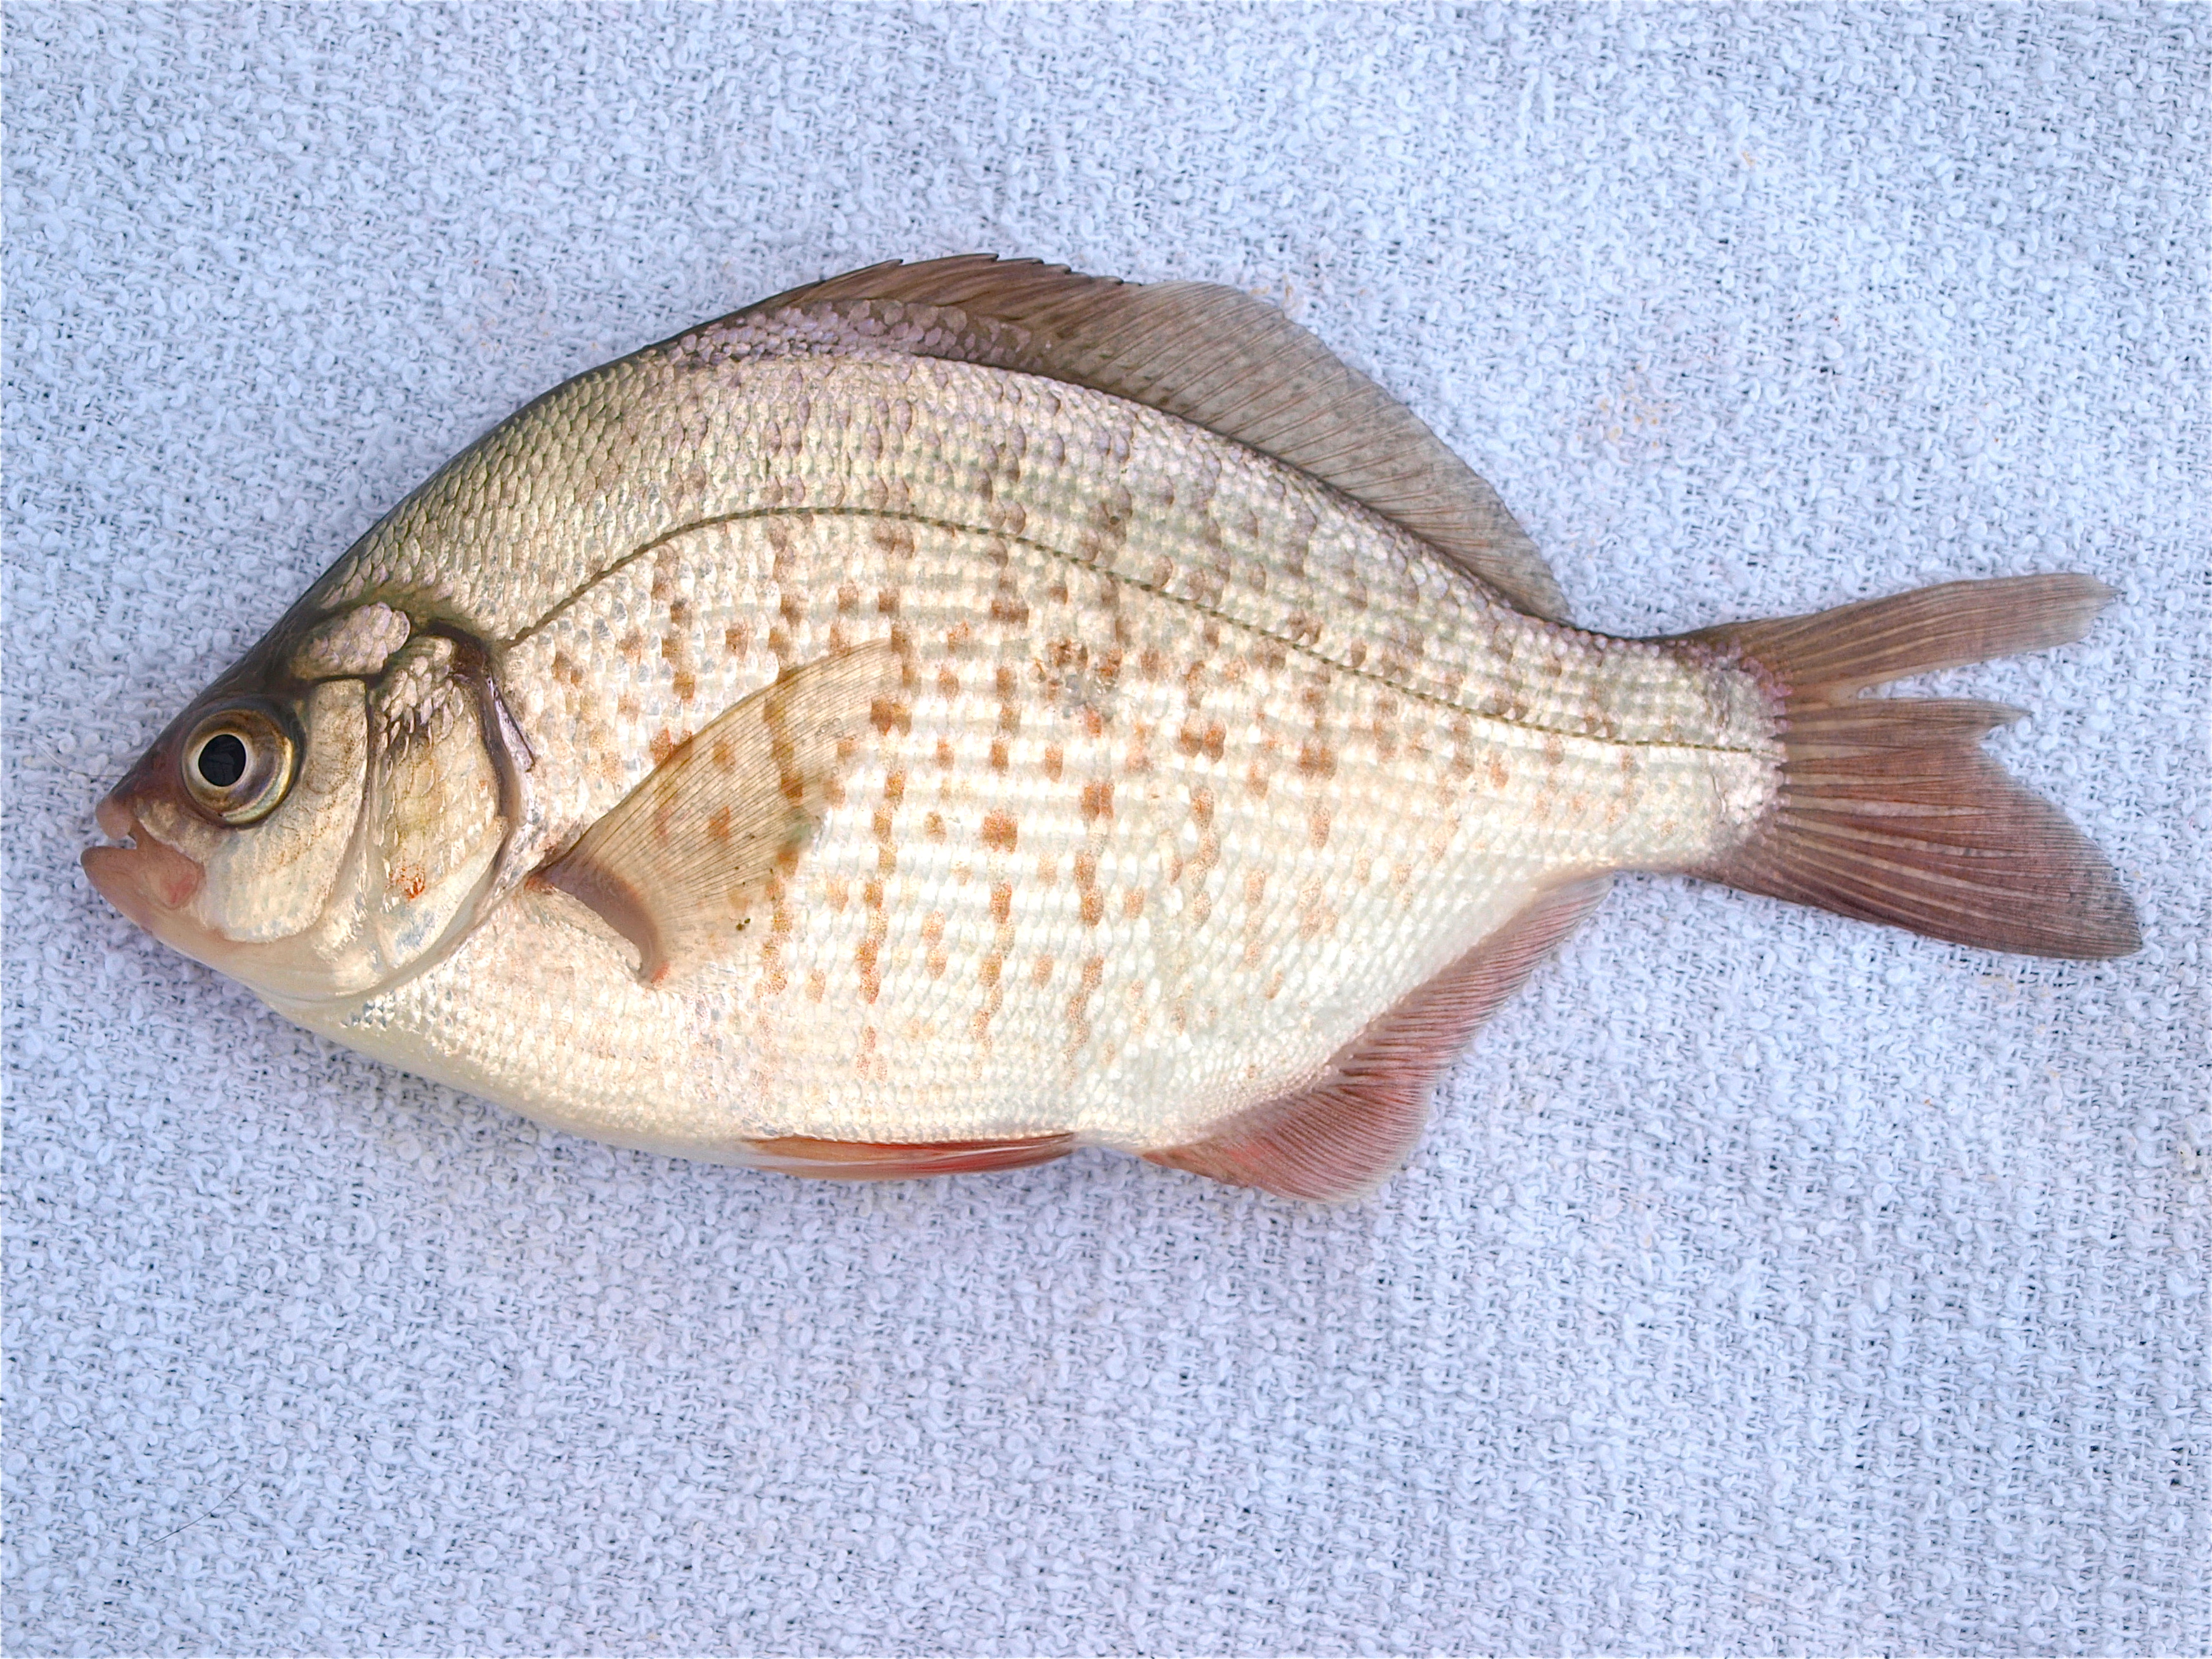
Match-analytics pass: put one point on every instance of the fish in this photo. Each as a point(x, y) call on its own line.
point(951, 713)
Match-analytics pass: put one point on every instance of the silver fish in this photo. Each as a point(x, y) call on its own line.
point(951, 713)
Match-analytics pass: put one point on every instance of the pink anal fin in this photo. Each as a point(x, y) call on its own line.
point(863, 1160)
point(1888, 811)
point(1347, 1133)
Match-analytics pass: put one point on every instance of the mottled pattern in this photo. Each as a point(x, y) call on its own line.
point(1194, 766)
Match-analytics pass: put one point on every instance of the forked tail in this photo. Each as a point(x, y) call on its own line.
point(1889, 811)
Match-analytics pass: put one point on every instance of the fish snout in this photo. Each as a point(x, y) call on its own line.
point(117, 821)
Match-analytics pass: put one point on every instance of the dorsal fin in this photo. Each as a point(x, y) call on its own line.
point(1215, 357)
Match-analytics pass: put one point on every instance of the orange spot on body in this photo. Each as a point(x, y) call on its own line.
point(1000, 832)
point(1207, 737)
point(1002, 902)
point(1097, 800)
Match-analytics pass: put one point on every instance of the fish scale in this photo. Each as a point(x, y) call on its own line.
point(1375, 866)
point(949, 715)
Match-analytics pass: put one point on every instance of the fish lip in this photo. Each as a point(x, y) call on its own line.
point(148, 881)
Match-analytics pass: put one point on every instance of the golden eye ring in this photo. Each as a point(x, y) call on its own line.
point(237, 764)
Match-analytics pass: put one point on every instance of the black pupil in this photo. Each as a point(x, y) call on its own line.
point(222, 760)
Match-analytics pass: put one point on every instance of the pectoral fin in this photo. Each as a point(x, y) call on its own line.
point(680, 865)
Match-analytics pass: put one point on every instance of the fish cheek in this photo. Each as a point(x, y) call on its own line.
point(275, 878)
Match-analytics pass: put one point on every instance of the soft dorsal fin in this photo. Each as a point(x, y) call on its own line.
point(1215, 357)
point(1348, 1132)
point(678, 866)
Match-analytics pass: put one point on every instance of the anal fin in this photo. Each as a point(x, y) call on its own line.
point(678, 866)
point(1346, 1133)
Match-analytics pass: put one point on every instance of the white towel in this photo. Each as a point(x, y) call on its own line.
point(1767, 1281)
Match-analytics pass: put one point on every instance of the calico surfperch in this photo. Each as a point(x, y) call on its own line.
point(951, 713)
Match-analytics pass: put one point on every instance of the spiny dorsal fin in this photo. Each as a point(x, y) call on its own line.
point(1215, 357)
point(1348, 1132)
point(678, 867)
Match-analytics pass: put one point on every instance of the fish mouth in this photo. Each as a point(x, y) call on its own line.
point(148, 881)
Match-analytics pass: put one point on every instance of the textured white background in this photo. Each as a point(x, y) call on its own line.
point(1768, 1282)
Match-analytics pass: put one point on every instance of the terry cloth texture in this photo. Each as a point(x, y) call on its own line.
point(1767, 1281)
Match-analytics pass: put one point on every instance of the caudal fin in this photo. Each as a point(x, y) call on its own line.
point(1889, 811)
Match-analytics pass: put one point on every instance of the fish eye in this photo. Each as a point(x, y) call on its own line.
point(237, 764)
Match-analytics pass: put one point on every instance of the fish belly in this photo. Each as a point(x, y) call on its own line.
point(1194, 770)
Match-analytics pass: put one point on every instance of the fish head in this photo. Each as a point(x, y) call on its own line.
point(322, 820)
